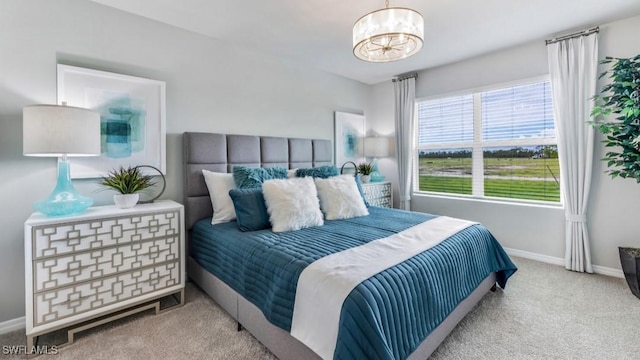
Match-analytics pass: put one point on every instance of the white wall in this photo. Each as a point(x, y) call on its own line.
point(211, 86)
point(614, 205)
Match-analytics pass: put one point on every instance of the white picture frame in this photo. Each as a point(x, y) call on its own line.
point(349, 137)
point(132, 118)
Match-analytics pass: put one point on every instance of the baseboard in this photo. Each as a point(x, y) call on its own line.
point(602, 270)
point(12, 325)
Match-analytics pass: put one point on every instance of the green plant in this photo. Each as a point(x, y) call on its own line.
point(365, 169)
point(127, 180)
point(622, 135)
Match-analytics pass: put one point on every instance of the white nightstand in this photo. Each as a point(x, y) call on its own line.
point(378, 193)
point(99, 263)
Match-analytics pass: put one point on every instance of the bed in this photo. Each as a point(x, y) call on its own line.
point(404, 311)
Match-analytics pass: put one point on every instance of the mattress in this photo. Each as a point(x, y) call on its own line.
point(384, 317)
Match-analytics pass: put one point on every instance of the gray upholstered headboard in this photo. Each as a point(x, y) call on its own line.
point(220, 152)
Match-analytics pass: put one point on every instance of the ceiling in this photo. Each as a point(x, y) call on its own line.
point(317, 33)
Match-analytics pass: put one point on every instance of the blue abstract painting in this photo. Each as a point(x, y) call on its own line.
point(132, 118)
point(349, 137)
point(122, 127)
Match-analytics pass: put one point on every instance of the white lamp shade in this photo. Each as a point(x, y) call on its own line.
point(376, 147)
point(53, 130)
point(388, 34)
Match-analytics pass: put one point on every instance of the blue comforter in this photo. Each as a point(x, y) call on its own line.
point(386, 316)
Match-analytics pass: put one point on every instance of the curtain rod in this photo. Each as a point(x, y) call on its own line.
point(574, 35)
point(405, 77)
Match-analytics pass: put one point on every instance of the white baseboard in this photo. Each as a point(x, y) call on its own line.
point(603, 270)
point(12, 325)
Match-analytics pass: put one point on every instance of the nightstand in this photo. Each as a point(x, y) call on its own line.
point(105, 263)
point(378, 193)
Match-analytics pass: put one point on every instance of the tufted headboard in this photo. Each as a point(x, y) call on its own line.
point(220, 152)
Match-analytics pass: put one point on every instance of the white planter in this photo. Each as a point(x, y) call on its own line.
point(365, 178)
point(125, 201)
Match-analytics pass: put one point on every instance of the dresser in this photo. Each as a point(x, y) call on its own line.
point(378, 193)
point(105, 263)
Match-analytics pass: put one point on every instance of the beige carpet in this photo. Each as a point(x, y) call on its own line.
point(545, 313)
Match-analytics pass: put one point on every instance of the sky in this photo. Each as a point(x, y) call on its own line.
point(518, 112)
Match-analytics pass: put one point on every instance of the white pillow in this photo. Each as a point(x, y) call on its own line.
point(292, 204)
point(340, 198)
point(219, 185)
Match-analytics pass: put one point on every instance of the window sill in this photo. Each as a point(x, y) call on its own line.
point(468, 198)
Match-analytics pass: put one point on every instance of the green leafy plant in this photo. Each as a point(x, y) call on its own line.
point(365, 168)
point(127, 180)
point(622, 136)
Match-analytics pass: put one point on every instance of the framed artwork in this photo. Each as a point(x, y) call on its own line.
point(349, 137)
point(132, 118)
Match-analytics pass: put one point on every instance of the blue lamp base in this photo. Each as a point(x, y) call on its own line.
point(64, 200)
point(376, 176)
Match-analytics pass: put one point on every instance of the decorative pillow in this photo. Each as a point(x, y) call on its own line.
point(251, 177)
point(292, 204)
point(322, 172)
point(339, 198)
point(251, 210)
point(219, 185)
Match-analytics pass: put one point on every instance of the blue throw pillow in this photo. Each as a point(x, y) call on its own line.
point(251, 210)
point(322, 172)
point(250, 177)
point(359, 185)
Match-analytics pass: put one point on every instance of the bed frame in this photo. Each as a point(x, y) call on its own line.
point(219, 153)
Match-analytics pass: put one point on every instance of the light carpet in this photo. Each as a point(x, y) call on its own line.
point(546, 312)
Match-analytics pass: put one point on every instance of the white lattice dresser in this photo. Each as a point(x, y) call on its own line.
point(378, 193)
point(98, 265)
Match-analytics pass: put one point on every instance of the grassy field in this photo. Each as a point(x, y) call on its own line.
point(504, 188)
point(519, 178)
point(517, 167)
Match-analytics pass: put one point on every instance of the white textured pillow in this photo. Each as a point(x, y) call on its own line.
point(219, 185)
point(292, 204)
point(340, 198)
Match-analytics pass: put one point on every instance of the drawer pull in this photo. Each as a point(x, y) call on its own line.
point(154, 280)
point(151, 253)
point(68, 271)
point(81, 298)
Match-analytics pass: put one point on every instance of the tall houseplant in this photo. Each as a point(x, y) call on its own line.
point(620, 98)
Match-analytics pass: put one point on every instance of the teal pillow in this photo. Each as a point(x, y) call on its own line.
point(249, 177)
point(251, 210)
point(359, 185)
point(322, 172)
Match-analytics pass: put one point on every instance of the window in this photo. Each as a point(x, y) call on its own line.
point(498, 143)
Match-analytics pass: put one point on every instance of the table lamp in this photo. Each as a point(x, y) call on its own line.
point(376, 147)
point(61, 131)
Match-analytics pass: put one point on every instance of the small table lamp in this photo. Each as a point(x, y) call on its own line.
point(61, 131)
point(376, 147)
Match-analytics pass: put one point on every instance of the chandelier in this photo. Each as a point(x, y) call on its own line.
point(388, 34)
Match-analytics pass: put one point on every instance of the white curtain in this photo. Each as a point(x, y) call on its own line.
point(573, 67)
point(405, 96)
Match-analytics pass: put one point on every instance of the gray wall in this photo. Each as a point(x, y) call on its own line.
point(614, 205)
point(211, 86)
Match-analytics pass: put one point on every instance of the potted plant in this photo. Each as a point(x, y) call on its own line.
point(365, 170)
point(622, 139)
point(128, 182)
